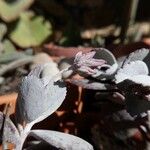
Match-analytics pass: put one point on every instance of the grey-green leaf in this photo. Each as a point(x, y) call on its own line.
point(61, 140)
point(36, 101)
point(141, 54)
point(131, 70)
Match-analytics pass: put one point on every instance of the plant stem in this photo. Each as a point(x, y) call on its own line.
point(15, 64)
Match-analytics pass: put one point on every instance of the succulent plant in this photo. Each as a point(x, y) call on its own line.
point(39, 95)
point(38, 98)
point(131, 72)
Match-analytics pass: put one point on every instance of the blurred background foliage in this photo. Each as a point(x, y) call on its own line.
point(33, 32)
point(30, 23)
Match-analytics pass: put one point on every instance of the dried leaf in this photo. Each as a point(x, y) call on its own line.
point(36, 101)
point(61, 140)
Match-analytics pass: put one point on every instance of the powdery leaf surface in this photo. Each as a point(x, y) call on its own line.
point(131, 70)
point(141, 54)
point(36, 101)
point(61, 140)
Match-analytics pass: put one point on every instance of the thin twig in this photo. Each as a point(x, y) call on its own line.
point(15, 64)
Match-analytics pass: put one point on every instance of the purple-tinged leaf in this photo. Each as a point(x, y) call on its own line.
point(85, 64)
point(87, 60)
point(61, 140)
point(99, 63)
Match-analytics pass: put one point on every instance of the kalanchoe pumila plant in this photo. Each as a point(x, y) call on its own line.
point(128, 78)
point(39, 96)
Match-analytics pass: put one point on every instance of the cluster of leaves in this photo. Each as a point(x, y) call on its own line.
point(22, 24)
point(39, 96)
point(127, 78)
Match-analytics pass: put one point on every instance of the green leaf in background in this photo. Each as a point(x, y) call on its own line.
point(10, 10)
point(3, 30)
point(31, 30)
point(8, 46)
point(10, 53)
